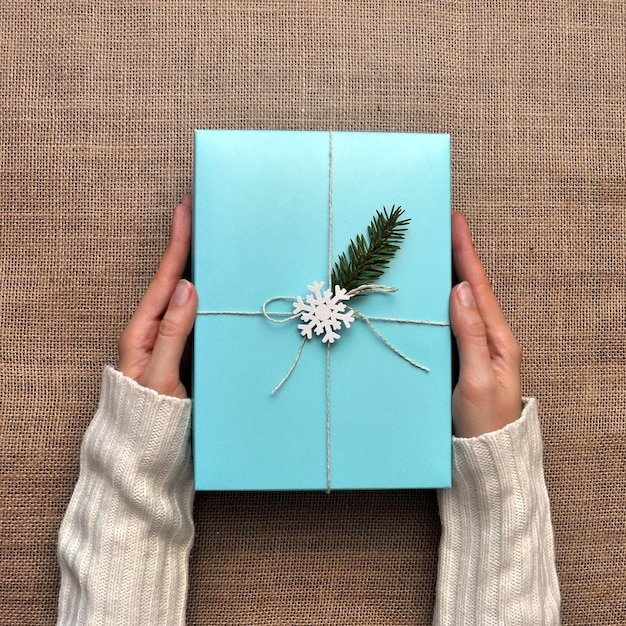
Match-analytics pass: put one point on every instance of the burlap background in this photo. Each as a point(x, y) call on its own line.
point(98, 102)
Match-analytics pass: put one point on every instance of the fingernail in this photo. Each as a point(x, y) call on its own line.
point(466, 297)
point(182, 292)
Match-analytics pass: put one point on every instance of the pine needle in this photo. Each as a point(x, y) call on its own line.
point(366, 261)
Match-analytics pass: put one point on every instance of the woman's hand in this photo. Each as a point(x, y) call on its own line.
point(488, 393)
point(151, 346)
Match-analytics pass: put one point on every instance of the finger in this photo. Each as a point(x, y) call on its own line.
point(471, 335)
point(488, 394)
point(162, 372)
point(469, 268)
point(136, 341)
point(171, 267)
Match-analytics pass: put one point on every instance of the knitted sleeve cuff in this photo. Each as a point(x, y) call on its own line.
point(147, 425)
point(125, 539)
point(491, 465)
point(496, 557)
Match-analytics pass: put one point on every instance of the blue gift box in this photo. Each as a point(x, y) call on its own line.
point(272, 211)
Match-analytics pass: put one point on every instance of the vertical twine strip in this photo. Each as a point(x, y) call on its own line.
point(330, 271)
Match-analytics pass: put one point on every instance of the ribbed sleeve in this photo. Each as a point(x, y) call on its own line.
point(125, 539)
point(496, 556)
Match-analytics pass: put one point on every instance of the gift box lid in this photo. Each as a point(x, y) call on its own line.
point(272, 211)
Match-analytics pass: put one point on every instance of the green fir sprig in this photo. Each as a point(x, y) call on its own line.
point(366, 261)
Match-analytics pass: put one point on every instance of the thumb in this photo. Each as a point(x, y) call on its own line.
point(162, 372)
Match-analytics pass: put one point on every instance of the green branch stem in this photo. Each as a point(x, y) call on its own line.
point(366, 261)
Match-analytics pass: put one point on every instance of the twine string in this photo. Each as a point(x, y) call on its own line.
point(327, 418)
point(395, 350)
point(293, 367)
point(357, 291)
point(280, 317)
point(330, 282)
point(330, 208)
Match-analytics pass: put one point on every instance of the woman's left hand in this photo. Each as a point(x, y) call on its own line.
point(151, 346)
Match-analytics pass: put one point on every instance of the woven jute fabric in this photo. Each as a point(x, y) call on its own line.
point(99, 100)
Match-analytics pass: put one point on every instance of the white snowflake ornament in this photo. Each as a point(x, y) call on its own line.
point(323, 313)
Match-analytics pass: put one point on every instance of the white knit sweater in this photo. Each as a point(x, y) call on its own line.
point(125, 539)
